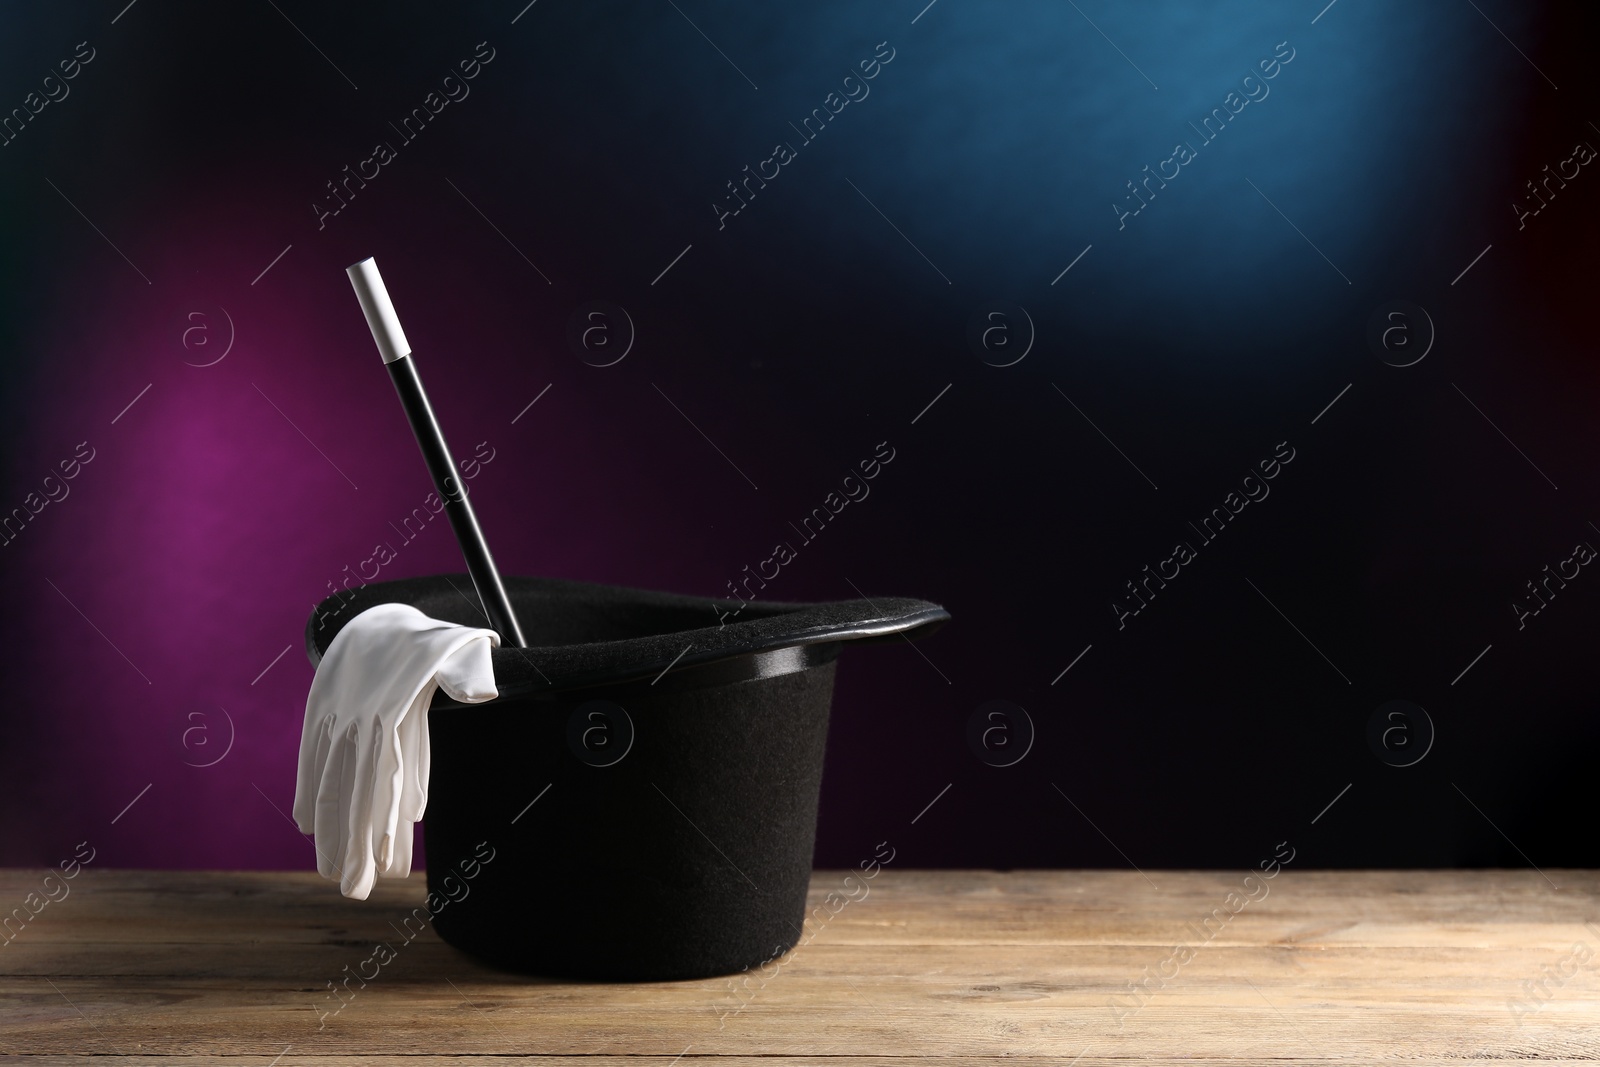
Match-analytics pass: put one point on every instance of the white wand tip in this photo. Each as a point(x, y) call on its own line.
point(381, 319)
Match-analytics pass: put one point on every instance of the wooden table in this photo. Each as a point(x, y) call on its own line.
point(959, 966)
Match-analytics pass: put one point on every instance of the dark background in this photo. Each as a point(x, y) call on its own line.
point(144, 610)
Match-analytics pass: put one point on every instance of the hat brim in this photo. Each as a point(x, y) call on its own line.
point(582, 634)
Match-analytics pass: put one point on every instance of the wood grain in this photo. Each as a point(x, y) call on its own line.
point(962, 966)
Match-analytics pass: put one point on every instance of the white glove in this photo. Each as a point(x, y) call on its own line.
point(364, 752)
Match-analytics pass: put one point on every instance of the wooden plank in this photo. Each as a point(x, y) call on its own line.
point(919, 1013)
point(294, 1056)
point(1328, 967)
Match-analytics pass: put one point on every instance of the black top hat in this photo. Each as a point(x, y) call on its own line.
point(680, 740)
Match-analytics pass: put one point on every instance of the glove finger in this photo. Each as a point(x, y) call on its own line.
point(387, 786)
point(360, 868)
point(308, 782)
point(423, 767)
point(333, 806)
point(400, 855)
point(413, 751)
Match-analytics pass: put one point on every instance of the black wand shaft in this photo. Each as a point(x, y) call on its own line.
point(396, 353)
point(447, 481)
